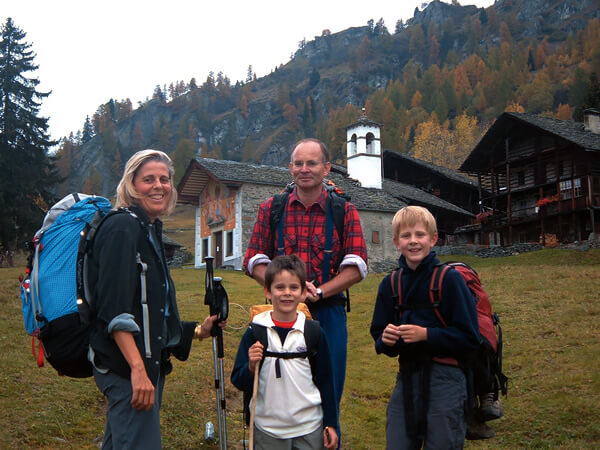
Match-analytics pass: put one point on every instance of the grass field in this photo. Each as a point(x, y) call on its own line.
point(548, 301)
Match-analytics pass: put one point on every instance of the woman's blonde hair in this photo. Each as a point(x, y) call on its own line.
point(126, 193)
point(409, 216)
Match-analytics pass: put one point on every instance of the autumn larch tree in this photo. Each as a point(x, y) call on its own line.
point(27, 172)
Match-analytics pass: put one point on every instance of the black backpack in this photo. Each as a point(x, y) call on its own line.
point(312, 335)
point(335, 208)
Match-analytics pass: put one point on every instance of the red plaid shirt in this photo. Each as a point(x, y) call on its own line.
point(304, 235)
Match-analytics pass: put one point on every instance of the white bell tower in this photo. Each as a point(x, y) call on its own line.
point(363, 153)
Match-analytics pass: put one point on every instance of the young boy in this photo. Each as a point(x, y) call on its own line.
point(427, 406)
point(295, 404)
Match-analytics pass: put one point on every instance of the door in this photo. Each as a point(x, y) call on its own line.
point(218, 249)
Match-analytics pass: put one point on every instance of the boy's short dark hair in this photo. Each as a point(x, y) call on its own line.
point(291, 263)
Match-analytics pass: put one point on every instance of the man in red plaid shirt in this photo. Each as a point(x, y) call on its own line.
point(304, 235)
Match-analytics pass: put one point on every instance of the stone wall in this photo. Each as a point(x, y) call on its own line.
point(390, 264)
point(377, 230)
point(252, 196)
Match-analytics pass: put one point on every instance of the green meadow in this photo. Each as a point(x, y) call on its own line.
point(548, 302)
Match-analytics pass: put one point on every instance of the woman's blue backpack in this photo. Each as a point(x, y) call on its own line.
point(51, 289)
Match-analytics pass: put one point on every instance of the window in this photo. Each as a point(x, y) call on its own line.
point(569, 187)
point(204, 248)
point(565, 190)
point(521, 178)
point(577, 186)
point(229, 244)
point(375, 237)
point(370, 143)
point(352, 145)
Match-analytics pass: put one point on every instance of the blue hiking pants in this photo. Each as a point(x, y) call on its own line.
point(333, 322)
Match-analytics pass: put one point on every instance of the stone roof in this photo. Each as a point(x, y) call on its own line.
point(443, 171)
point(364, 120)
point(391, 198)
point(202, 170)
point(168, 242)
point(568, 130)
point(413, 195)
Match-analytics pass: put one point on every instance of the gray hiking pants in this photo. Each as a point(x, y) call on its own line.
point(126, 427)
point(446, 422)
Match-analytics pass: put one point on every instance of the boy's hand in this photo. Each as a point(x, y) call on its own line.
point(390, 335)
point(412, 333)
point(330, 437)
point(254, 355)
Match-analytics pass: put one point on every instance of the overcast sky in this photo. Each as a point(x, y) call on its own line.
point(90, 52)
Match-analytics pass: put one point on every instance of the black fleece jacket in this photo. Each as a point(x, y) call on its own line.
point(457, 307)
point(114, 280)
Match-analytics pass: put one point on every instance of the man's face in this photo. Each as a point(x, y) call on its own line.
point(307, 166)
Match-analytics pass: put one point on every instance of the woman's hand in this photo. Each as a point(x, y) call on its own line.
point(142, 397)
point(203, 331)
point(142, 389)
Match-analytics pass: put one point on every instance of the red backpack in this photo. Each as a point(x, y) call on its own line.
point(488, 364)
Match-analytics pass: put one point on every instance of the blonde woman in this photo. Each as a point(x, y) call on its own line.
point(135, 330)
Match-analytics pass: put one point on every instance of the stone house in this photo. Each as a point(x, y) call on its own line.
point(227, 195)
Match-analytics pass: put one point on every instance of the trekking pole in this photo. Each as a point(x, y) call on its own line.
point(253, 411)
point(216, 299)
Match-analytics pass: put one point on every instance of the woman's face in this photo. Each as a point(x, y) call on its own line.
point(153, 186)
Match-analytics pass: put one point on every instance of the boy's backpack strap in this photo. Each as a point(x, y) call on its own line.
point(396, 282)
point(435, 289)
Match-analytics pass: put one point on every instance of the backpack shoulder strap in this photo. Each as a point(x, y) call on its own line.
point(312, 335)
point(86, 242)
point(396, 282)
point(337, 203)
point(259, 332)
point(276, 217)
point(435, 288)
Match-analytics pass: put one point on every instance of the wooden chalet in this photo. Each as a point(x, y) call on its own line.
point(539, 179)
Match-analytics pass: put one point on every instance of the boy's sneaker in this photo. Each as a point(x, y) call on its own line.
point(479, 430)
point(489, 409)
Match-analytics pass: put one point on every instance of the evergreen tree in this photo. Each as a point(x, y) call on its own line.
point(27, 172)
point(88, 130)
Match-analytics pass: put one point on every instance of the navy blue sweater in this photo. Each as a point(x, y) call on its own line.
point(242, 378)
point(457, 308)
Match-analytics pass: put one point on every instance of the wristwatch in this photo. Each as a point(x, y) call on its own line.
point(320, 293)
